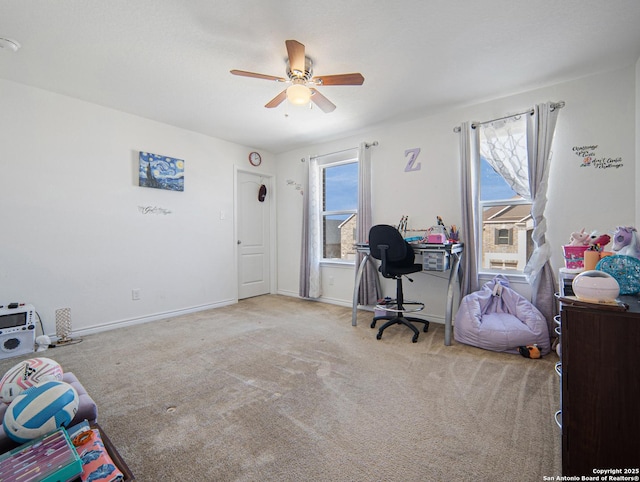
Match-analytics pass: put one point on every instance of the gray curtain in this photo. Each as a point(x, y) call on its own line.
point(469, 146)
point(540, 129)
point(311, 244)
point(368, 292)
point(304, 248)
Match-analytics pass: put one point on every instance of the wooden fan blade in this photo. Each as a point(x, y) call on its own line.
point(339, 79)
point(321, 101)
point(277, 100)
point(296, 55)
point(244, 73)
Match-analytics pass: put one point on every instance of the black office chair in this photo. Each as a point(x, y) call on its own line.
point(396, 255)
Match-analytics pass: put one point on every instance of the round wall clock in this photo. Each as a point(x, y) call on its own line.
point(255, 159)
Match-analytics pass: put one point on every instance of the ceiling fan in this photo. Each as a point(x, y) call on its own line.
point(303, 85)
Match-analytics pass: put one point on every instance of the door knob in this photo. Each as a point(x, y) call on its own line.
point(239, 242)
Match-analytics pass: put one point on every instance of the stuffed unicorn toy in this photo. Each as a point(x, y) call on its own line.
point(579, 238)
point(626, 242)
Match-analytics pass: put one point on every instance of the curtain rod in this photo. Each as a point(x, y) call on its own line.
point(366, 145)
point(332, 153)
point(476, 124)
point(553, 106)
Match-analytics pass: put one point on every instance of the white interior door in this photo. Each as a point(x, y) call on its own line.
point(254, 225)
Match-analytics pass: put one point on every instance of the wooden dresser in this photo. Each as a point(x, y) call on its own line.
point(600, 389)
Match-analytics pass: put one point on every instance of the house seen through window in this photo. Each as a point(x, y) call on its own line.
point(506, 228)
point(339, 210)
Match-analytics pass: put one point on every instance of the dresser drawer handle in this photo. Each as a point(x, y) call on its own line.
point(558, 330)
point(559, 368)
point(557, 319)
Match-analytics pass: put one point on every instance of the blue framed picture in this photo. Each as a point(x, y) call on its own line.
point(161, 172)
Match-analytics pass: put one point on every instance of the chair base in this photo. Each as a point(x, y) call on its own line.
point(400, 320)
point(407, 307)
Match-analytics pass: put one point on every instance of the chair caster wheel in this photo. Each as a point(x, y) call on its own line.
point(426, 328)
point(415, 339)
point(373, 324)
point(379, 336)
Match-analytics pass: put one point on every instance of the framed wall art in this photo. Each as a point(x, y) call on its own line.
point(161, 172)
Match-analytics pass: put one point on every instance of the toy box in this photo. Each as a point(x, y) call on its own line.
point(49, 458)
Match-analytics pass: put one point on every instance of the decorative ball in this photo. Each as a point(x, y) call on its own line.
point(26, 374)
point(596, 286)
point(39, 410)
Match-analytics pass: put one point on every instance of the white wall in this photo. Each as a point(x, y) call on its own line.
point(600, 110)
point(72, 233)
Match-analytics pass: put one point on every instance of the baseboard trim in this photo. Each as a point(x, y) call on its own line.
point(112, 325)
point(292, 294)
point(322, 299)
point(335, 301)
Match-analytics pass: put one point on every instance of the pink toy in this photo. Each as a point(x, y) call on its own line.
point(579, 239)
point(599, 241)
point(626, 242)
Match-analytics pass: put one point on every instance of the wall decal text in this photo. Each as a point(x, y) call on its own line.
point(590, 158)
point(153, 210)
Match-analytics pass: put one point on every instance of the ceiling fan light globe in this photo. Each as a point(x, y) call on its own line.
point(299, 94)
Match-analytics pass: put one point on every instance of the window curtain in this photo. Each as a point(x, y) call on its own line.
point(469, 145)
point(311, 244)
point(506, 152)
point(368, 293)
point(540, 129)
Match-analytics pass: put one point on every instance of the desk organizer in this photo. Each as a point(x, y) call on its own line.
point(435, 261)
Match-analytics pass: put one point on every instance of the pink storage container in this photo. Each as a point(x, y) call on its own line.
point(574, 256)
point(437, 238)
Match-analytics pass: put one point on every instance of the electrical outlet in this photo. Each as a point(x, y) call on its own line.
point(135, 294)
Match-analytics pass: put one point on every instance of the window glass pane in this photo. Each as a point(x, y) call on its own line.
point(339, 236)
point(493, 187)
point(504, 184)
point(341, 187)
point(339, 211)
point(506, 236)
point(503, 153)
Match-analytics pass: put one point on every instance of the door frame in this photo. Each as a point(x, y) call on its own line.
point(271, 195)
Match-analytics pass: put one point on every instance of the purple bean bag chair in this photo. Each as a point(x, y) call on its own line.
point(499, 319)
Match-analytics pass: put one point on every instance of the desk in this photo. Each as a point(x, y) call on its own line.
point(455, 253)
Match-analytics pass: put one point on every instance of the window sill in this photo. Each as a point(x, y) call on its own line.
point(512, 276)
point(337, 263)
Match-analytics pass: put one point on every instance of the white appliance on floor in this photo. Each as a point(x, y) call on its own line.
point(17, 330)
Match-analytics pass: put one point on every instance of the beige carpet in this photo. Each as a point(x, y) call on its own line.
point(279, 389)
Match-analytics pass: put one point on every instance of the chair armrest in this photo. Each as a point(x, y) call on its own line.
point(383, 258)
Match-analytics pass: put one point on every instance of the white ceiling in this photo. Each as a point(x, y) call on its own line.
point(169, 60)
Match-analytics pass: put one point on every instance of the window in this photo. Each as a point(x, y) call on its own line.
point(505, 201)
point(339, 210)
point(504, 236)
